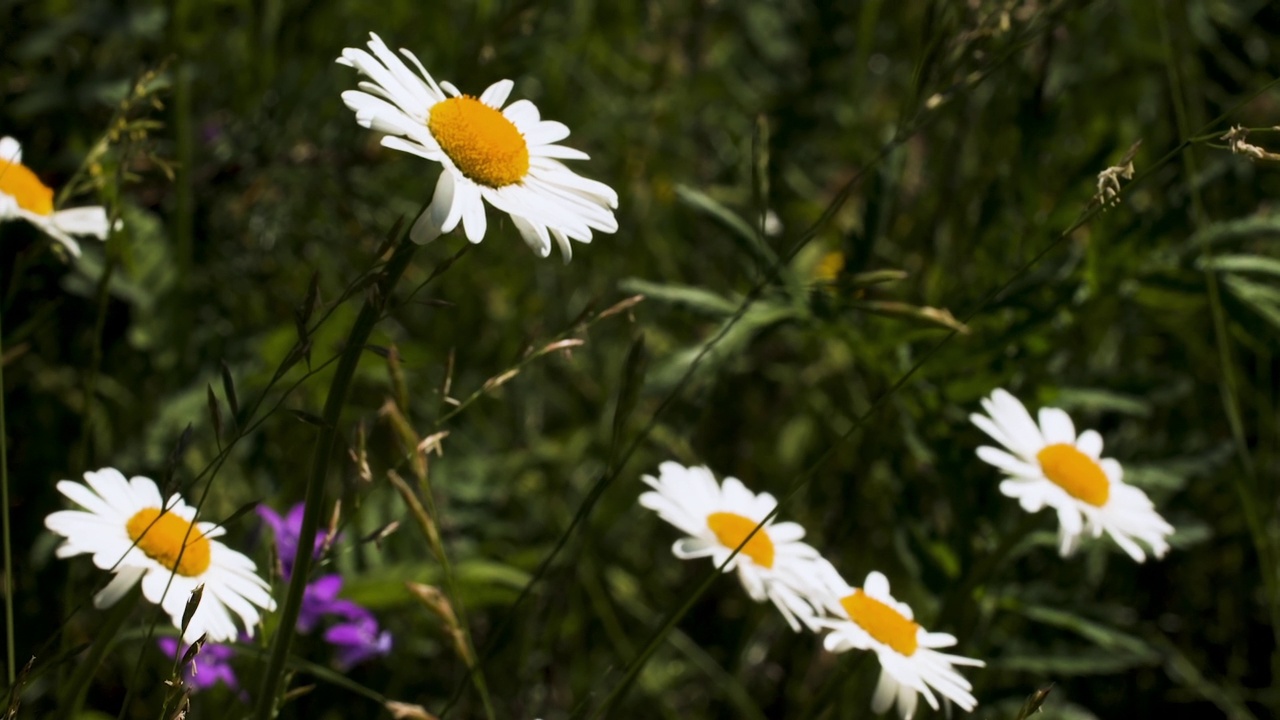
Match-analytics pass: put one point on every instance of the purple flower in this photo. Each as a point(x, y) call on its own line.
point(212, 665)
point(320, 599)
point(358, 640)
point(286, 530)
point(355, 635)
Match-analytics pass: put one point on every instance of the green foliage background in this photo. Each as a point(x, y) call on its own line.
point(957, 142)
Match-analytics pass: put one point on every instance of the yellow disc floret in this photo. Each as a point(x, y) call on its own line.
point(882, 622)
point(22, 185)
point(160, 536)
point(481, 141)
point(731, 529)
point(1075, 472)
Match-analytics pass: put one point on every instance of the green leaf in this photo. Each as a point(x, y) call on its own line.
point(1262, 225)
point(741, 229)
point(694, 298)
point(714, 350)
point(1240, 263)
point(1088, 661)
point(1121, 648)
point(1099, 399)
point(1263, 299)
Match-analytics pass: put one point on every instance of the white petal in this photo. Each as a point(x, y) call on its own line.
point(9, 207)
point(563, 243)
point(431, 223)
point(496, 94)
point(522, 114)
point(690, 548)
point(988, 426)
point(1016, 423)
point(877, 585)
point(545, 133)
point(886, 692)
point(473, 217)
point(1056, 426)
point(1090, 443)
point(535, 235)
point(121, 584)
point(83, 221)
point(1007, 462)
point(10, 150)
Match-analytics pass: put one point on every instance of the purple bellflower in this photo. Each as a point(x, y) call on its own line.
point(355, 635)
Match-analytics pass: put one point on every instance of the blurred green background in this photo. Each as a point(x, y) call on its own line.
point(968, 134)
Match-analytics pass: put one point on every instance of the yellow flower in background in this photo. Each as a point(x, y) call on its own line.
point(1048, 464)
point(773, 564)
point(505, 157)
point(24, 197)
point(130, 531)
point(869, 618)
point(829, 267)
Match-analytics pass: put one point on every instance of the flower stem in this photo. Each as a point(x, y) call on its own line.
point(328, 433)
point(4, 530)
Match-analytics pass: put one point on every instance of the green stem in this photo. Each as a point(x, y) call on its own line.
point(325, 440)
point(103, 640)
point(10, 671)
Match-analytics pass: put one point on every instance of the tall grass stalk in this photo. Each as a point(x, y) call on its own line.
point(326, 438)
point(10, 671)
point(426, 518)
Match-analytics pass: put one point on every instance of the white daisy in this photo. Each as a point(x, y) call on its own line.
point(773, 565)
point(1051, 465)
point(127, 529)
point(508, 158)
point(24, 197)
point(868, 618)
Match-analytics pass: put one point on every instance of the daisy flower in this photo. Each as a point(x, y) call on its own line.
point(505, 157)
point(868, 618)
point(24, 197)
point(773, 565)
point(1048, 464)
point(130, 531)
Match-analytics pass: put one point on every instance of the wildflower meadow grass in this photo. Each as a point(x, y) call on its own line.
point(580, 360)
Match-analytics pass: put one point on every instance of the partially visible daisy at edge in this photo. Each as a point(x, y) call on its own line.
point(773, 565)
point(505, 157)
point(1048, 464)
point(24, 197)
point(869, 618)
point(129, 530)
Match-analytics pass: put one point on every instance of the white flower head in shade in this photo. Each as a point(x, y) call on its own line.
point(130, 531)
point(505, 157)
point(24, 197)
point(773, 564)
point(1048, 464)
point(869, 618)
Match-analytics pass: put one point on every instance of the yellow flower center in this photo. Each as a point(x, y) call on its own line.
point(160, 537)
point(882, 622)
point(731, 529)
point(22, 185)
point(481, 141)
point(1075, 472)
